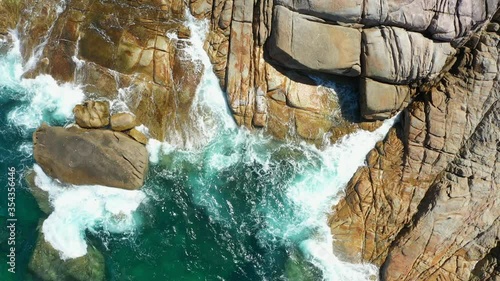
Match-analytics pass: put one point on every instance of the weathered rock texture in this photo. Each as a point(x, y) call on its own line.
point(90, 157)
point(442, 20)
point(314, 70)
point(261, 49)
point(118, 50)
point(263, 52)
point(123, 121)
point(304, 44)
point(426, 206)
point(46, 264)
point(488, 268)
point(92, 114)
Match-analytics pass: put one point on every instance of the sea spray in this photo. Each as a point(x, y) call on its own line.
point(37, 52)
point(85, 207)
point(42, 98)
point(76, 208)
point(315, 193)
point(209, 112)
point(239, 207)
point(300, 215)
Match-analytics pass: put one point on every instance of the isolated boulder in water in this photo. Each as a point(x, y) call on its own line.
point(47, 265)
point(92, 114)
point(90, 157)
point(123, 121)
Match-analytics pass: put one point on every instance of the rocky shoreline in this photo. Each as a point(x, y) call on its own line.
point(426, 206)
point(114, 157)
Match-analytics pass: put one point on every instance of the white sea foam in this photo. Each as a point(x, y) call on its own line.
point(76, 208)
point(41, 97)
point(209, 112)
point(38, 50)
point(85, 207)
point(310, 196)
point(209, 95)
point(315, 193)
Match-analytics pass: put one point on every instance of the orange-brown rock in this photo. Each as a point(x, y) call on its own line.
point(426, 205)
point(90, 157)
point(119, 51)
point(123, 121)
point(137, 135)
point(92, 114)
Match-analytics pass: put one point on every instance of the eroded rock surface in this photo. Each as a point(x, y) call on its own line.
point(300, 43)
point(123, 121)
point(426, 207)
point(90, 157)
point(407, 43)
point(124, 51)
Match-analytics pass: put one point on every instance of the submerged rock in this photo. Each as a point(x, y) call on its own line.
point(90, 157)
point(46, 264)
point(92, 114)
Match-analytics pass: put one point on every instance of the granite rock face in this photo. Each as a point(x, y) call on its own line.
point(123, 51)
point(90, 157)
point(394, 55)
point(262, 51)
point(46, 264)
point(426, 206)
point(123, 121)
point(441, 19)
point(300, 43)
point(92, 114)
point(407, 43)
point(315, 70)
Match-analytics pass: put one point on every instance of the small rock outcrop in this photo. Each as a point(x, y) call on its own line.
point(137, 135)
point(90, 157)
point(92, 114)
point(426, 206)
point(46, 264)
point(123, 121)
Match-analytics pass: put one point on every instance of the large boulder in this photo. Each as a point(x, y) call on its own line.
point(92, 114)
point(394, 55)
point(426, 205)
point(301, 43)
point(444, 20)
point(339, 10)
point(381, 100)
point(90, 157)
point(47, 265)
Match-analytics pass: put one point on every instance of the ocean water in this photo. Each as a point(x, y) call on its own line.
point(237, 206)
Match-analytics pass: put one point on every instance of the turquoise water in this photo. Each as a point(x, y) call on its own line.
point(240, 206)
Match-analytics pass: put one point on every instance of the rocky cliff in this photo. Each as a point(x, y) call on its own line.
point(426, 206)
point(268, 53)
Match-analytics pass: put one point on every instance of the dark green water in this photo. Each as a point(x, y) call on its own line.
point(200, 222)
point(242, 207)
